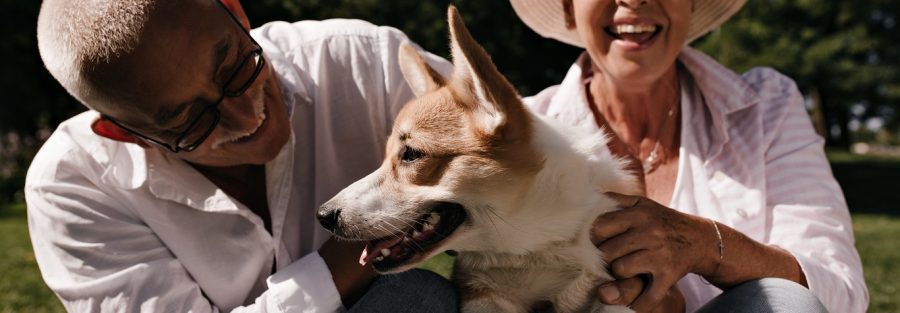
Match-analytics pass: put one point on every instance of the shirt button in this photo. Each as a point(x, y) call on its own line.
point(742, 213)
point(718, 177)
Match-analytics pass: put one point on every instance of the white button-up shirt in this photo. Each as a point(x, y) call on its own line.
point(750, 160)
point(117, 228)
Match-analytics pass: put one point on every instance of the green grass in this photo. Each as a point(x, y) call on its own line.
point(879, 247)
point(869, 184)
point(21, 287)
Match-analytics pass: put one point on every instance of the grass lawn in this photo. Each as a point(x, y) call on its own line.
point(869, 184)
point(21, 286)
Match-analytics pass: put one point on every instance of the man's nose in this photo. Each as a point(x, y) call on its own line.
point(240, 110)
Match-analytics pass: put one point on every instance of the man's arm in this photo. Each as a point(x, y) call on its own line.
point(98, 256)
point(351, 279)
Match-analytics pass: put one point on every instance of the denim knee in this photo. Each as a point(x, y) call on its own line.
point(766, 295)
point(411, 291)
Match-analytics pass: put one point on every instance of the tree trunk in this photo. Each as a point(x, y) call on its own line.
point(834, 117)
point(816, 114)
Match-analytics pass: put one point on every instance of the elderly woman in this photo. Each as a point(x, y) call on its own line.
point(741, 212)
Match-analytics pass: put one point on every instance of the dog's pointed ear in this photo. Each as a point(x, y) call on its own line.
point(499, 110)
point(420, 76)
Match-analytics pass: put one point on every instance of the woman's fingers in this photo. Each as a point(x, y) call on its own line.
point(623, 244)
point(609, 225)
point(621, 292)
point(624, 201)
point(614, 223)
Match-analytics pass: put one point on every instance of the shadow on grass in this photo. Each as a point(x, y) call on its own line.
point(870, 184)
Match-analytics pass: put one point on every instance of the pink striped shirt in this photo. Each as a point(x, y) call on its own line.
point(750, 160)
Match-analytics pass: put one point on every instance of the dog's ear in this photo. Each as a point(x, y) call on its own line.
point(420, 76)
point(498, 109)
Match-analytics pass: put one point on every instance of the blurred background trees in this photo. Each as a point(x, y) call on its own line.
point(843, 55)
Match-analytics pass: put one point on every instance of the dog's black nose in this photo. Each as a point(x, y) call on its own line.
point(328, 217)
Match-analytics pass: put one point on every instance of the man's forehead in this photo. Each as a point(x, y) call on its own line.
point(172, 62)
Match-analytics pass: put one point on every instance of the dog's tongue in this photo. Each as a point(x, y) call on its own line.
point(373, 249)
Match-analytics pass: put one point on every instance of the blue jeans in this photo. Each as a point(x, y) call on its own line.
point(766, 295)
point(414, 291)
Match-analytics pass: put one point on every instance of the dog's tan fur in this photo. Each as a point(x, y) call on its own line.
point(530, 187)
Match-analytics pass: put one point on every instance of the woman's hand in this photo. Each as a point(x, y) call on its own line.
point(625, 291)
point(647, 243)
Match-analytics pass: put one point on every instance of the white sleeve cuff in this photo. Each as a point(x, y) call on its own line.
point(837, 292)
point(304, 286)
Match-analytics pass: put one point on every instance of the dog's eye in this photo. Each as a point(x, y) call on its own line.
point(410, 155)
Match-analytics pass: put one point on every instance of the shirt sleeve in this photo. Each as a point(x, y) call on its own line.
point(304, 286)
point(98, 257)
point(810, 216)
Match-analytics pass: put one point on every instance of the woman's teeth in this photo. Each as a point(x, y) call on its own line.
point(633, 29)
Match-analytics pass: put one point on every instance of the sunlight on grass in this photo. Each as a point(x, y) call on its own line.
point(879, 247)
point(21, 288)
point(441, 264)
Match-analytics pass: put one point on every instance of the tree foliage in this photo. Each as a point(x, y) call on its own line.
point(840, 53)
point(530, 62)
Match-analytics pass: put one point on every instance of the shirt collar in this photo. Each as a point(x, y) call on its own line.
point(293, 82)
point(723, 92)
point(719, 85)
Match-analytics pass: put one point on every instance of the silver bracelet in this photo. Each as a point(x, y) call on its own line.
point(721, 248)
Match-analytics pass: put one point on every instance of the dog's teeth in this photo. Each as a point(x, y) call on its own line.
point(407, 240)
point(416, 234)
point(434, 218)
point(385, 252)
point(379, 258)
point(427, 227)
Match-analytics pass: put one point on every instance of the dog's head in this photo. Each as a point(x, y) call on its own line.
point(458, 159)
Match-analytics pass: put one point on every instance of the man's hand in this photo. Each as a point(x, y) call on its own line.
point(351, 279)
point(647, 243)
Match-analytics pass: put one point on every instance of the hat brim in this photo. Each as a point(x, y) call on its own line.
point(547, 18)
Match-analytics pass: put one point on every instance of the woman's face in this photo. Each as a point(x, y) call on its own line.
point(632, 41)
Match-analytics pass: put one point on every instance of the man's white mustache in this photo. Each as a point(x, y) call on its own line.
point(232, 135)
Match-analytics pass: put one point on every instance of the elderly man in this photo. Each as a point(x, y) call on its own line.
point(192, 183)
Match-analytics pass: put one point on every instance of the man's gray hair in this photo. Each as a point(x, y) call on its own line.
point(76, 36)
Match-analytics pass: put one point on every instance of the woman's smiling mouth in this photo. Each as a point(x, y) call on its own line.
point(633, 34)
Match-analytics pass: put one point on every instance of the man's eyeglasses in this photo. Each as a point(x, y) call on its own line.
point(203, 125)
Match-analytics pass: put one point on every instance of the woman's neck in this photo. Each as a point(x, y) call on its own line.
point(637, 111)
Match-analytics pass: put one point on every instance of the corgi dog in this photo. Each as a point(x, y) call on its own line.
point(469, 169)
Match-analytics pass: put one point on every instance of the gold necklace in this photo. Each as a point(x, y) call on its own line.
point(652, 160)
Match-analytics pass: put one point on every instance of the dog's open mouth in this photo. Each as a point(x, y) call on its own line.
point(412, 245)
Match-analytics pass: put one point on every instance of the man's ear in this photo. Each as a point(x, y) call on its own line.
point(238, 11)
point(105, 128)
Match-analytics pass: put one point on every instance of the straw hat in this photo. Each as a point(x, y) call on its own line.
point(546, 17)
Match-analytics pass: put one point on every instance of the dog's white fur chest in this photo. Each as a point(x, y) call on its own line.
point(543, 252)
